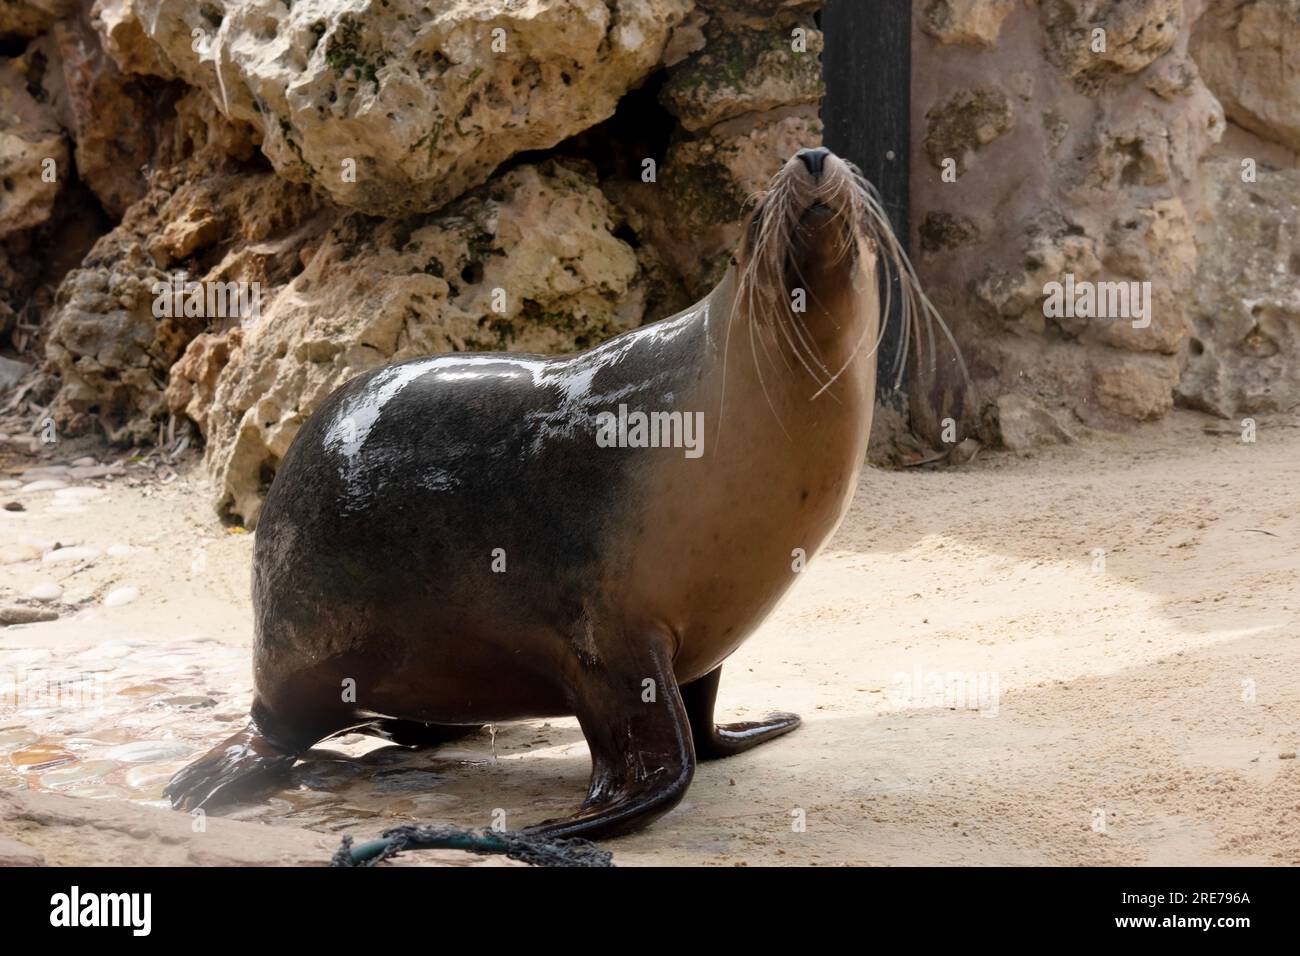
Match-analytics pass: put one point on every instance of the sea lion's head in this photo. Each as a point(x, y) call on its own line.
point(806, 263)
point(814, 215)
point(820, 229)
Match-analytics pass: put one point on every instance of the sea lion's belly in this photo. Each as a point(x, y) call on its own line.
point(448, 534)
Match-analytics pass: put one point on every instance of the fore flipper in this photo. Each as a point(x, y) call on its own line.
point(714, 741)
point(641, 755)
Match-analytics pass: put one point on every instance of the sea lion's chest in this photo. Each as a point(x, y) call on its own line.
point(724, 536)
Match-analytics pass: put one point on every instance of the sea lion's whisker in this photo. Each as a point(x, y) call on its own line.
point(761, 382)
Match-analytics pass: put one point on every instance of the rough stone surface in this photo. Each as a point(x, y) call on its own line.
point(12, 372)
point(118, 24)
point(692, 214)
point(33, 155)
point(193, 381)
point(1023, 424)
point(1133, 34)
point(947, 230)
point(1151, 244)
point(1249, 54)
point(112, 127)
point(209, 218)
point(1075, 161)
point(172, 106)
point(974, 22)
point(757, 13)
point(965, 123)
point(744, 103)
point(224, 156)
point(381, 291)
point(745, 71)
point(1139, 389)
point(396, 106)
point(1246, 311)
point(34, 258)
point(113, 119)
point(13, 853)
point(27, 18)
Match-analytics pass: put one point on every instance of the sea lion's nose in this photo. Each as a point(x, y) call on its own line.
point(814, 159)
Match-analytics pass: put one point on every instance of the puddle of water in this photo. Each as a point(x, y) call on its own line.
point(115, 720)
point(112, 720)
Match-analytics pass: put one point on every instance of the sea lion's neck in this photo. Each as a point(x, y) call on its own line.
point(818, 350)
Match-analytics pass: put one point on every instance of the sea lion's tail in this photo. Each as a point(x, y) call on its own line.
point(239, 767)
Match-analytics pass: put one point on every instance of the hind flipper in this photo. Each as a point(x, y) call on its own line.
point(237, 768)
point(713, 741)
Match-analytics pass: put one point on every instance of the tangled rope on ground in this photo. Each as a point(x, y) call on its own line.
point(533, 850)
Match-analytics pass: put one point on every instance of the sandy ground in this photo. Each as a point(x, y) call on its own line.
point(1114, 624)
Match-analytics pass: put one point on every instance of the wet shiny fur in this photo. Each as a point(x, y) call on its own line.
point(626, 569)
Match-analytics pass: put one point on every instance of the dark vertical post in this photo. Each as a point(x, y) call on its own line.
point(867, 63)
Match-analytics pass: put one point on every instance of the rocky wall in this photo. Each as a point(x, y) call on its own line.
point(393, 177)
point(1102, 148)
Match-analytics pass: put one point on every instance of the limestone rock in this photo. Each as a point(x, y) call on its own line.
point(27, 18)
point(120, 30)
point(1092, 39)
point(1079, 141)
point(942, 230)
point(967, 122)
point(1246, 309)
point(33, 259)
point(1248, 56)
point(1134, 153)
point(971, 22)
point(11, 373)
point(1141, 388)
point(1173, 76)
point(193, 381)
point(1023, 424)
point(687, 38)
point(113, 118)
point(537, 242)
point(395, 106)
point(1055, 247)
point(744, 71)
point(13, 853)
point(1152, 244)
point(33, 155)
point(692, 214)
point(757, 13)
point(206, 219)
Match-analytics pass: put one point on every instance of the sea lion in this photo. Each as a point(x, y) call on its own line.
point(471, 538)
